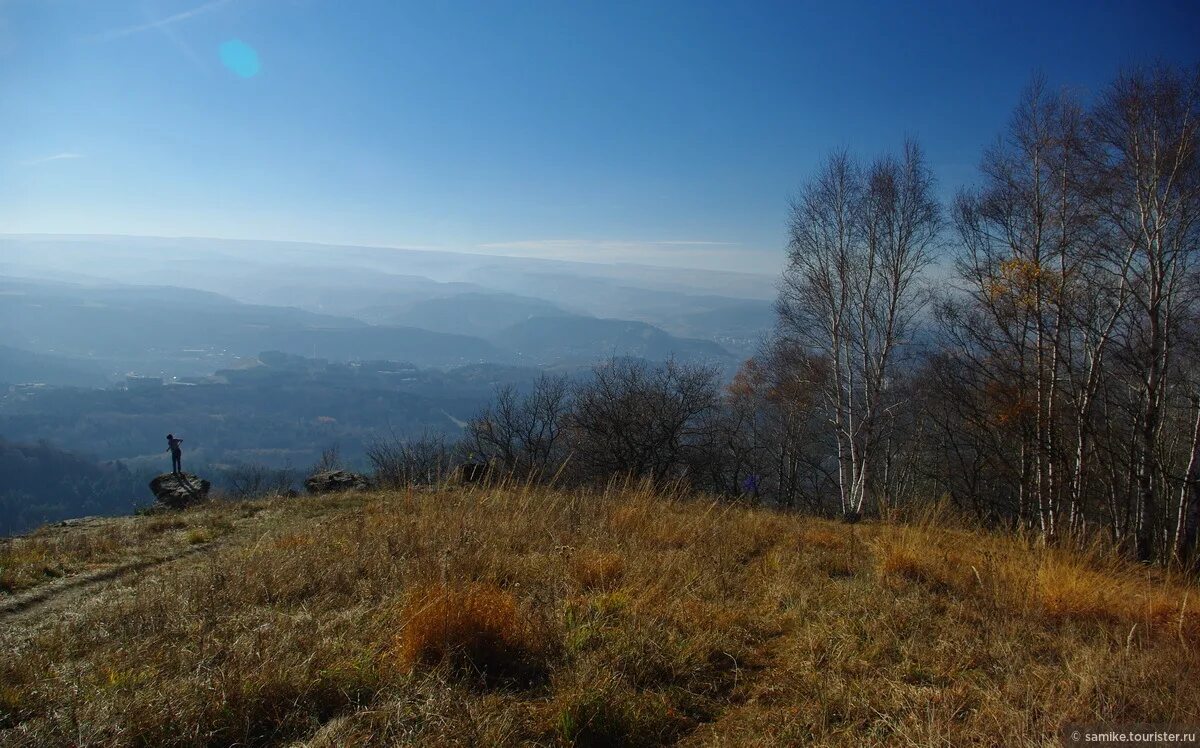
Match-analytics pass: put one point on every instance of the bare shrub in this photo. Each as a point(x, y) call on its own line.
point(637, 419)
point(331, 459)
point(522, 434)
point(253, 480)
point(426, 460)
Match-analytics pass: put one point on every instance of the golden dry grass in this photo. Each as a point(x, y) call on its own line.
point(513, 615)
point(597, 571)
point(478, 630)
point(54, 552)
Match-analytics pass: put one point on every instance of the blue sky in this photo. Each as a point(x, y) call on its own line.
point(663, 132)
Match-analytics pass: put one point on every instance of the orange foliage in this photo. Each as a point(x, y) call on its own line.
point(1019, 281)
point(1010, 404)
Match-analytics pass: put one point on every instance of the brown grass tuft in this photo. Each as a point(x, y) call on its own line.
point(1093, 590)
point(477, 628)
point(608, 712)
point(909, 556)
point(199, 535)
point(1070, 591)
point(597, 571)
point(815, 536)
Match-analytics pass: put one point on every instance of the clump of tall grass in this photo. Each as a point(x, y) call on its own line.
point(1055, 585)
point(594, 570)
point(474, 629)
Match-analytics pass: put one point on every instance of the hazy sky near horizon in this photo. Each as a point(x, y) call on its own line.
point(660, 132)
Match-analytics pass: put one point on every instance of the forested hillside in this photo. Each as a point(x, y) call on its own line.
point(43, 483)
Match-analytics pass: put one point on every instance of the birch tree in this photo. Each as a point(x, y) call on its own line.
point(1024, 272)
point(1145, 127)
point(859, 240)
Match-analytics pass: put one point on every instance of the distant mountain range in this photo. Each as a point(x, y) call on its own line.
point(471, 313)
point(74, 334)
point(77, 308)
point(178, 330)
point(565, 339)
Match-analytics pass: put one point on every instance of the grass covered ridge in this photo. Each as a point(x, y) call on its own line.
point(99, 543)
point(516, 615)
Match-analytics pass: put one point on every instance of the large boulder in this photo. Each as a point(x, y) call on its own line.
point(333, 481)
point(179, 490)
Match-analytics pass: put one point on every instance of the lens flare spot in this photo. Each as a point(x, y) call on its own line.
point(239, 57)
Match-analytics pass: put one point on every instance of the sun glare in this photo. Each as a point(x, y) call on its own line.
point(240, 58)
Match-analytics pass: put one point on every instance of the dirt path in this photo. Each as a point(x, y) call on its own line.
point(27, 608)
point(18, 609)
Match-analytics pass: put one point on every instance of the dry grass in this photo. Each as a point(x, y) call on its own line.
point(476, 629)
point(1054, 586)
point(513, 616)
point(597, 571)
point(26, 562)
point(61, 551)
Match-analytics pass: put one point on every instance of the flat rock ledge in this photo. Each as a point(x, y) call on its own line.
point(335, 481)
point(179, 490)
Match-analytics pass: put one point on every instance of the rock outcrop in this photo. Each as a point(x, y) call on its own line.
point(179, 490)
point(333, 481)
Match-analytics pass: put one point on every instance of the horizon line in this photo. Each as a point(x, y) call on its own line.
point(401, 248)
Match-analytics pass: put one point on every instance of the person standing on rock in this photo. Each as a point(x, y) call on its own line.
point(176, 453)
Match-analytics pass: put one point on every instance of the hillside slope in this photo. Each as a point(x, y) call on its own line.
point(575, 339)
point(124, 325)
point(464, 314)
point(18, 366)
point(509, 616)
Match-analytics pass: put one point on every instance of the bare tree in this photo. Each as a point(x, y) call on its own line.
point(1034, 329)
point(729, 452)
point(1066, 340)
point(424, 460)
point(523, 434)
point(632, 418)
point(859, 241)
point(1145, 127)
point(792, 447)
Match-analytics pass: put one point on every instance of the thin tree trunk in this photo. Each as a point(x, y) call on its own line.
point(1189, 499)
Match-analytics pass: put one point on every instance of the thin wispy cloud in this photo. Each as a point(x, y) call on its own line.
point(683, 253)
point(163, 23)
point(600, 244)
point(63, 156)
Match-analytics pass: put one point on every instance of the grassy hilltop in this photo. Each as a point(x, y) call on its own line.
point(518, 615)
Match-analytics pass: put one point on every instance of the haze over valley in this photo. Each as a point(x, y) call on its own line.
point(215, 300)
point(272, 352)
